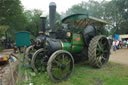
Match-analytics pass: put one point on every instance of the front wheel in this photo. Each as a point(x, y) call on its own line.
point(60, 65)
point(39, 60)
point(29, 53)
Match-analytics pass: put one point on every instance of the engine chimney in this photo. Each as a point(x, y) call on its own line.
point(42, 24)
point(52, 15)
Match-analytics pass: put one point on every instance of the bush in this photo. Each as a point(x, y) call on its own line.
point(1, 47)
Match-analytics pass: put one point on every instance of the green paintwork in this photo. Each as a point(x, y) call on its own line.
point(77, 49)
point(84, 19)
point(75, 18)
point(76, 45)
point(67, 46)
point(77, 39)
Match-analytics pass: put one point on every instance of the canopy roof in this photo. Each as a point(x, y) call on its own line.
point(82, 20)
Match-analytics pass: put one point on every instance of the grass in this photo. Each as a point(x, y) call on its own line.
point(111, 74)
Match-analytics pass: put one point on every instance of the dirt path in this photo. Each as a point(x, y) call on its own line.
point(120, 56)
point(5, 76)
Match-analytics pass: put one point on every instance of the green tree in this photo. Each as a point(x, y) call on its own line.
point(122, 6)
point(33, 21)
point(114, 11)
point(93, 8)
point(3, 29)
point(11, 14)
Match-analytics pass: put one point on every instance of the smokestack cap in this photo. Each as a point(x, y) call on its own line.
point(52, 4)
point(43, 15)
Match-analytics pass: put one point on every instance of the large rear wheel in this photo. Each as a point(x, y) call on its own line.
point(60, 65)
point(98, 51)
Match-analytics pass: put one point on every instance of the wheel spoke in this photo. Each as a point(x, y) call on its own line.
point(67, 70)
point(98, 54)
point(68, 62)
point(105, 51)
point(57, 72)
point(104, 44)
point(99, 46)
point(57, 62)
point(98, 58)
point(104, 58)
point(100, 63)
point(102, 47)
point(63, 58)
point(32, 51)
point(38, 64)
point(98, 49)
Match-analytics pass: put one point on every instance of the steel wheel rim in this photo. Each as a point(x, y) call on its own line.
point(31, 53)
point(102, 51)
point(40, 67)
point(62, 66)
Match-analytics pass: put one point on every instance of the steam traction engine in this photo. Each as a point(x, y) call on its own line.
point(56, 52)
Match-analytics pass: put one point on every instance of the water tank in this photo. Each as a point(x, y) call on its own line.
point(22, 39)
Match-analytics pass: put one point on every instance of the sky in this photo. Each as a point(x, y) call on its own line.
point(62, 5)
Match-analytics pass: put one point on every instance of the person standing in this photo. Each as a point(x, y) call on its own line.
point(124, 43)
point(114, 45)
point(127, 43)
point(121, 43)
point(117, 44)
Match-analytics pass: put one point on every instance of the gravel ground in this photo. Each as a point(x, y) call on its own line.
point(5, 75)
point(120, 56)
